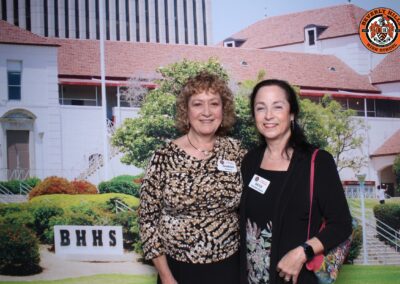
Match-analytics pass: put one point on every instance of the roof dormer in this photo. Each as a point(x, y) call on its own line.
point(312, 33)
point(233, 42)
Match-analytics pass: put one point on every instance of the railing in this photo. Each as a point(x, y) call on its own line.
point(110, 127)
point(121, 207)
point(18, 173)
point(5, 194)
point(24, 188)
point(381, 228)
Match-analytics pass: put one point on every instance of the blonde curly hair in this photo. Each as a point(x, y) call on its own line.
point(208, 82)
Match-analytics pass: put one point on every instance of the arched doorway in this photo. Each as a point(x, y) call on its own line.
point(17, 146)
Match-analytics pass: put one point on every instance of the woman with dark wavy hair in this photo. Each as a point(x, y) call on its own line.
point(190, 195)
point(274, 210)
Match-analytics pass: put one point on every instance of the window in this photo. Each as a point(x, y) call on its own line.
point(195, 22)
point(87, 19)
point(56, 31)
point(357, 105)
point(203, 3)
point(117, 23)
point(128, 37)
point(137, 20)
point(4, 10)
point(46, 18)
point(176, 21)
point(28, 14)
point(14, 70)
point(157, 22)
point(185, 21)
point(146, 11)
point(230, 43)
point(66, 11)
point(310, 35)
point(107, 20)
point(97, 19)
point(166, 21)
point(16, 16)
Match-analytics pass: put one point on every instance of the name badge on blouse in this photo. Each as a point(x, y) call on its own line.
point(259, 184)
point(227, 166)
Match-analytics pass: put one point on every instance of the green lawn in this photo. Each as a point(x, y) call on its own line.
point(97, 279)
point(358, 274)
point(350, 274)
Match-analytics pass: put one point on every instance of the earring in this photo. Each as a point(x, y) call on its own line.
point(292, 125)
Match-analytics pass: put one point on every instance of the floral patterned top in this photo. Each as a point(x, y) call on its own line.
point(189, 207)
point(259, 212)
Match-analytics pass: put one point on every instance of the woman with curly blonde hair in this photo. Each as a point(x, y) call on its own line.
point(190, 194)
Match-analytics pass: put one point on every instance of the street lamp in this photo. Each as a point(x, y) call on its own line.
point(361, 180)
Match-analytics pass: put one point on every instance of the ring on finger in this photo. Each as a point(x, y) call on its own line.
point(287, 278)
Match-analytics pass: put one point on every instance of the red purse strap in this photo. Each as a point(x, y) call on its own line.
point(312, 169)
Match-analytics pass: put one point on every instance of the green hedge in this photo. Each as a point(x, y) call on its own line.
point(388, 213)
point(119, 187)
point(19, 250)
point(355, 244)
point(14, 185)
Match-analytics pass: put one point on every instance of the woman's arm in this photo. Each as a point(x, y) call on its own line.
point(331, 202)
point(162, 267)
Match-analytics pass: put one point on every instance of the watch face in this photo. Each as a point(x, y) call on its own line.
point(308, 250)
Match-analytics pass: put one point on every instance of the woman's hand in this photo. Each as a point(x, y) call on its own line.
point(164, 272)
point(290, 265)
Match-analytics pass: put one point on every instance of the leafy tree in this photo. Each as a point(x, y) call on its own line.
point(138, 137)
point(396, 170)
point(326, 125)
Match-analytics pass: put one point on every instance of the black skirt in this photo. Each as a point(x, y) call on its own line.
point(222, 272)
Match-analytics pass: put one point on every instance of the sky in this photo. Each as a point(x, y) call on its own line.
point(231, 16)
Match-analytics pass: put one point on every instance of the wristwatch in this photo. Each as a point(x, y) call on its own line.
point(308, 250)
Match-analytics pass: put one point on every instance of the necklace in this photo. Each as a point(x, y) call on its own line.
point(204, 152)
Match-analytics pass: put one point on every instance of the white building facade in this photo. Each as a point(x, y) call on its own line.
point(161, 21)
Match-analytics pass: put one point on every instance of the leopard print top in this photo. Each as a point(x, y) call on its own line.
point(188, 207)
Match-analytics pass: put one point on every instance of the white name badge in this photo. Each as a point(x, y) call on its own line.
point(259, 184)
point(227, 166)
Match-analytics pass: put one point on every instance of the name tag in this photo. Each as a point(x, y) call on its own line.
point(259, 184)
point(227, 166)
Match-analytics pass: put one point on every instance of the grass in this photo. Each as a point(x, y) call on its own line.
point(97, 279)
point(349, 274)
point(359, 274)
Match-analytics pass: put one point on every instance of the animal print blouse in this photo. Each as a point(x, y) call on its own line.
point(188, 207)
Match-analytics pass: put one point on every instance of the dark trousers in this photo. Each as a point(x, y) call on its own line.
point(222, 272)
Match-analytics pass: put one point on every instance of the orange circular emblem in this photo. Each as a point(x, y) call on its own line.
point(379, 30)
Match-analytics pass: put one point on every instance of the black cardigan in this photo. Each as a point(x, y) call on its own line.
point(292, 208)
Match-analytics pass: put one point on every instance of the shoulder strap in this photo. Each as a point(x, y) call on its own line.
point(312, 169)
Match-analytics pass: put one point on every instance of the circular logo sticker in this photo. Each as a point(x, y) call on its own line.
point(379, 30)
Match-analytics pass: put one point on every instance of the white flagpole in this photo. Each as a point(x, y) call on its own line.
point(103, 92)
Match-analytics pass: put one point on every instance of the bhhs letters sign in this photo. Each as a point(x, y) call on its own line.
point(88, 240)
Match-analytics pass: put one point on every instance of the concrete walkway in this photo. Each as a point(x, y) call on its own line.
point(57, 267)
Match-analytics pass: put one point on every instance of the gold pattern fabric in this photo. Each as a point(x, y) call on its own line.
point(188, 207)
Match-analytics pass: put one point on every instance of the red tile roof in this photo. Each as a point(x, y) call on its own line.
point(390, 147)
point(388, 70)
point(287, 29)
point(14, 35)
point(127, 59)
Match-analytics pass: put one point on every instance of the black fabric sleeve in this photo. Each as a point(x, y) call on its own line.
point(331, 201)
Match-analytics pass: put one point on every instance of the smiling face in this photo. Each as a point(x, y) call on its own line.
point(272, 114)
point(205, 113)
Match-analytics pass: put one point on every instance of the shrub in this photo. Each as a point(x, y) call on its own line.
point(119, 187)
point(22, 218)
point(68, 218)
point(355, 244)
point(130, 229)
point(14, 185)
point(52, 185)
point(42, 216)
point(19, 251)
point(83, 187)
point(390, 215)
